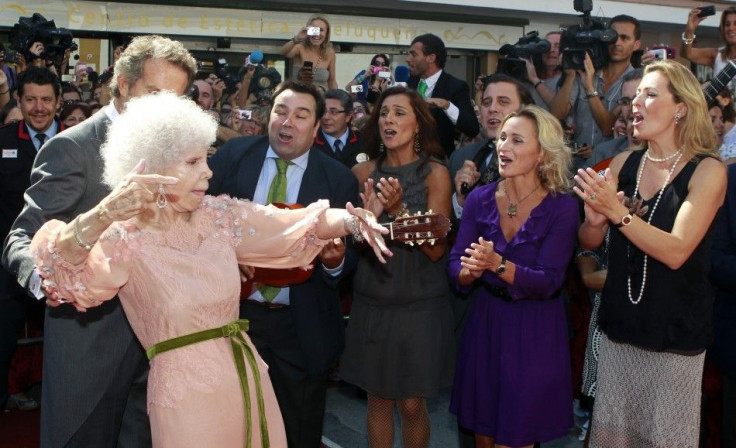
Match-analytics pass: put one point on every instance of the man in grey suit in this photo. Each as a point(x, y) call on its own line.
point(95, 371)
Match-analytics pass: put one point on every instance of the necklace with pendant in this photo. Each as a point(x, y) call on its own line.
point(513, 207)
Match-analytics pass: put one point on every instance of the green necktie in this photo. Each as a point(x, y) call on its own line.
point(276, 193)
point(422, 88)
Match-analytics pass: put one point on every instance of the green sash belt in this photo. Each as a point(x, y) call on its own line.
point(241, 351)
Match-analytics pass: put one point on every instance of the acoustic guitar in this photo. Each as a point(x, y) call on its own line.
point(414, 229)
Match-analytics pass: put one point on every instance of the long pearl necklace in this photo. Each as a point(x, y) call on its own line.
point(649, 220)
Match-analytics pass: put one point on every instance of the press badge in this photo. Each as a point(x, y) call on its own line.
point(10, 153)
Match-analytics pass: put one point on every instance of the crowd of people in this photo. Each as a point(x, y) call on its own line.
point(193, 245)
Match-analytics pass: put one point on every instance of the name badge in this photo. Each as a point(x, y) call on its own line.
point(10, 153)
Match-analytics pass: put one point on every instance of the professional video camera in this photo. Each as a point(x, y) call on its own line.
point(528, 47)
point(212, 63)
point(592, 37)
point(264, 78)
point(37, 29)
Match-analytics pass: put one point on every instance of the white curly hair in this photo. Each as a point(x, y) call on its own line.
point(160, 128)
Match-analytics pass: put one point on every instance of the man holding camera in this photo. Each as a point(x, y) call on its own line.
point(447, 96)
point(335, 138)
point(591, 96)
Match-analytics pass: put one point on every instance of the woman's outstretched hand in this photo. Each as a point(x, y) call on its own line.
point(366, 226)
point(134, 194)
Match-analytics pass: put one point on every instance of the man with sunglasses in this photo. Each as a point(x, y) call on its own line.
point(335, 138)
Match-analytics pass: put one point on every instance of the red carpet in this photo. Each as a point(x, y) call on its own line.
point(20, 429)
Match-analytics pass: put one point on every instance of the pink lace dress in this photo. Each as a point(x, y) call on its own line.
point(184, 280)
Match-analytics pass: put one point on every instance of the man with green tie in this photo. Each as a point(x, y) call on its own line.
point(447, 96)
point(298, 329)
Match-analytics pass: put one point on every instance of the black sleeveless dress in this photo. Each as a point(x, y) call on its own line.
point(675, 312)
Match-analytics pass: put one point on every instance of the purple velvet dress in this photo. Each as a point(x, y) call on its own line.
point(512, 379)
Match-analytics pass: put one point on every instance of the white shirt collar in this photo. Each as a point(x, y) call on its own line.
point(111, 111)
point(300, 161)
point(432, 80)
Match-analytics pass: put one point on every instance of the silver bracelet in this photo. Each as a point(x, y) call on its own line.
point(352, 227)
point(77, 236)
point(687, 41)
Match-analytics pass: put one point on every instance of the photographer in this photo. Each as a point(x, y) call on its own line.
point(311, 54)
point(544, 75)
point(712, 57)
point(591, 96)
point(372, 81)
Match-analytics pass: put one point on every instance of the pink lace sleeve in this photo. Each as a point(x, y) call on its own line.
point(266, 236)
point(90, 283)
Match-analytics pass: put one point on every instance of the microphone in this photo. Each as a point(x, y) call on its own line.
point(255, 58)
point(401, 75)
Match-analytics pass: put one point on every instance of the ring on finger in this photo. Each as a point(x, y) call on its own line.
point(591, 197)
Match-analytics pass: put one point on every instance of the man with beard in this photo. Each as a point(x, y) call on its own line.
point(447, 96)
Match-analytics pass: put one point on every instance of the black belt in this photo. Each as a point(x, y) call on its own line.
point(267, 305)
point(499, 291)
point(503, 293)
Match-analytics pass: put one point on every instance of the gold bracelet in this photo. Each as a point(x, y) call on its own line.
point(77, 236)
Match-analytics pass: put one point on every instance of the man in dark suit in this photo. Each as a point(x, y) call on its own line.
point(448, 97)
point(335, 138)
point(95, 371)
point(477, 163)
point(39, 93)
point(299, 331)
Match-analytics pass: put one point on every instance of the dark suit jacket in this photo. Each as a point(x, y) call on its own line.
point(349, 152)
point(82, 352)
point(457, 92)
point(315, 303)
point(723, 277)
point(15, 173)
point(467, 152)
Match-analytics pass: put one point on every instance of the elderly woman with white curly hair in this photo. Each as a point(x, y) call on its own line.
point(172, 254)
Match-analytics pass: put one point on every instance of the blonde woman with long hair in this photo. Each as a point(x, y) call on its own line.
point(656, 309)
point(311, 46)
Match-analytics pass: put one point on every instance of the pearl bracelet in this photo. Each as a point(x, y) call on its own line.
point(78, 237)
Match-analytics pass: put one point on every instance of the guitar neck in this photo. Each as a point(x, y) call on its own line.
point(720, 81)
point(401, 234)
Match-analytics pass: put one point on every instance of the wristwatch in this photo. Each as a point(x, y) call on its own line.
point(625, 220)
point(501, 267)
point(591, 94)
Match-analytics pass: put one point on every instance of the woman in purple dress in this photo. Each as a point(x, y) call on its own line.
point(512, 382)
